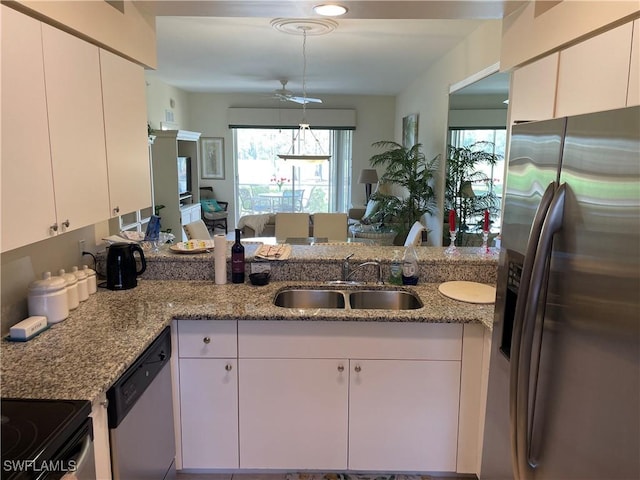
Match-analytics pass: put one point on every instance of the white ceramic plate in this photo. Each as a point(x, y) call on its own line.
point(193, 246)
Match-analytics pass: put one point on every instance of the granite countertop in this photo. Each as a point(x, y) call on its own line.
point(81, 357)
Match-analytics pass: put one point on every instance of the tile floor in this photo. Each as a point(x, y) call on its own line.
point(279, 476)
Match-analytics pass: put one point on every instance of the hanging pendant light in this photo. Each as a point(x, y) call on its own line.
point(304, 137)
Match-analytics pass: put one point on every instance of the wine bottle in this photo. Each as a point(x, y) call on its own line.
point(237, 260)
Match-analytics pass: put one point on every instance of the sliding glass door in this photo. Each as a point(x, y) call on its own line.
point(269, 184)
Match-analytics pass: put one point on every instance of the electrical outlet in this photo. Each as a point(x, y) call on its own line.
point(81, 246)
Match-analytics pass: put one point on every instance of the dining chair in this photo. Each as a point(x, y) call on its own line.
point(291, 225)
point(197, 230)
point(333, 226)
point(291, 201)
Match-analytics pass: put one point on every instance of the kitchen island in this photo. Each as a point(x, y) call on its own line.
point(82, 356)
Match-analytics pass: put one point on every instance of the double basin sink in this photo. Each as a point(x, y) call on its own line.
point(348, 299)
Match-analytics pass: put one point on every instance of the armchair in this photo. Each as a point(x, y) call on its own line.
point(214, 212)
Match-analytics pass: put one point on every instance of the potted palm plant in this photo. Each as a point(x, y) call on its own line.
point(408, 168)
point(462, 173)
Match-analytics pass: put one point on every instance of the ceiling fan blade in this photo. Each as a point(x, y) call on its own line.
point(302, 100)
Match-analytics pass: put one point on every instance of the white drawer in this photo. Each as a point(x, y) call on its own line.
point(380, 340)
point(207, 338)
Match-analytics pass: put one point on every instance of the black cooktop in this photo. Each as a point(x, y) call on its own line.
point(35, 430)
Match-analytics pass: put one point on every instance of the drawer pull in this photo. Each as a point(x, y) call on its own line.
point(228, 367)
point(358, 369)
point(206, 340)
point(341, 368)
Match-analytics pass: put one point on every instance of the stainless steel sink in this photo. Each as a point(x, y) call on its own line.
point(310, 298)
point(356, 299)
point(384, 300)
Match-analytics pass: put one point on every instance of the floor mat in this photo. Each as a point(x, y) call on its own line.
point(354, 476)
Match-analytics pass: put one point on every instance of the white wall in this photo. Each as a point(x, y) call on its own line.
point(207, 113)
point(428, 96)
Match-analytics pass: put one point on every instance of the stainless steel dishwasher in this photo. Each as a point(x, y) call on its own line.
point(140, 416)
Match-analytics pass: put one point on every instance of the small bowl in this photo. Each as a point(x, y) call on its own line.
point(260, 278)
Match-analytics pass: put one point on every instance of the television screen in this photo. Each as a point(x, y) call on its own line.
point(184, 175)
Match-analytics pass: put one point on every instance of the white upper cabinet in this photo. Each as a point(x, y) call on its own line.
point(125, 126)
point(68, 108)
point(76, 126)
point(633, 93)
point(594, 74)
point(533, 90)
point(26, 158)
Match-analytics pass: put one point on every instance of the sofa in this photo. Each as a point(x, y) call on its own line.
point(262, 225)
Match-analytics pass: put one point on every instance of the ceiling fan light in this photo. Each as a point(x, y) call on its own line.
point(330, 10)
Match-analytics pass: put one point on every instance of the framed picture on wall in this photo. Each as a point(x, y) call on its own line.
point(410, 130)
point(212, 157)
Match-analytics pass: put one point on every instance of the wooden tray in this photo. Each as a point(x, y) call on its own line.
point(470, 292)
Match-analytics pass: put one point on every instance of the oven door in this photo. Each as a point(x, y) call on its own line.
point(78, 454)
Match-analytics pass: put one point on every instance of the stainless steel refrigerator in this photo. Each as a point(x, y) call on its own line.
point(563, 395)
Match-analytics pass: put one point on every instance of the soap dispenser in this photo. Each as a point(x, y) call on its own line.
point(410, 268)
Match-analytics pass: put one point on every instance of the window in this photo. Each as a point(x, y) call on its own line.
point(496, 140)
point(267, 183)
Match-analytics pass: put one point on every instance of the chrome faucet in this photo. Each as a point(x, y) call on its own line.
point(347, 272)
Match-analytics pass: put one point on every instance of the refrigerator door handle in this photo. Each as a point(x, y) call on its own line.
point(525, 408)
point(516, 339)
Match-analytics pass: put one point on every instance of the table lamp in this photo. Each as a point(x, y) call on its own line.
point(368, 176)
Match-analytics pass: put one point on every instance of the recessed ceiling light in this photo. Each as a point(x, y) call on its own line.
point(330, 10)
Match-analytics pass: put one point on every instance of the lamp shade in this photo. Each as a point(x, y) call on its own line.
point(368, 175)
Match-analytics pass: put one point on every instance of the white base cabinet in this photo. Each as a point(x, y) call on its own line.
point(208, 394)
point(292, 413)
point(209, 417)
point(377, 396)
point(403, 415)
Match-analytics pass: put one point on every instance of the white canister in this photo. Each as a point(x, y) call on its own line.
point(92, 282)
point(48, 297)
point(72, 288)
point(83, 285)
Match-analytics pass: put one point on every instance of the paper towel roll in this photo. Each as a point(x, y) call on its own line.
point(220, 258)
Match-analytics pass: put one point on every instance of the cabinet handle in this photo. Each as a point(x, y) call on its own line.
point(105, 403)
point(54, 227)
point(66, 223)
point(228, 367)
point(116, 210)
point(341, 368)
point(358, 369)
point(206, 340)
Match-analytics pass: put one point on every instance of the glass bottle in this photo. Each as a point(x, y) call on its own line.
point(410, 268)
point(395, 277)
point(237, 260)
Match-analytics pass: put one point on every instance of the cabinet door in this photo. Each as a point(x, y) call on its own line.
point(125, 126)
point(293, 413)
point(593, 75)
point(533, 90)
point(403, 415)
point(26, 158)
point(633, 93)
point(74, 103)
point(209, 413)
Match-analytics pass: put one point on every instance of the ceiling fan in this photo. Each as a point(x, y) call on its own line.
point(287, 95)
